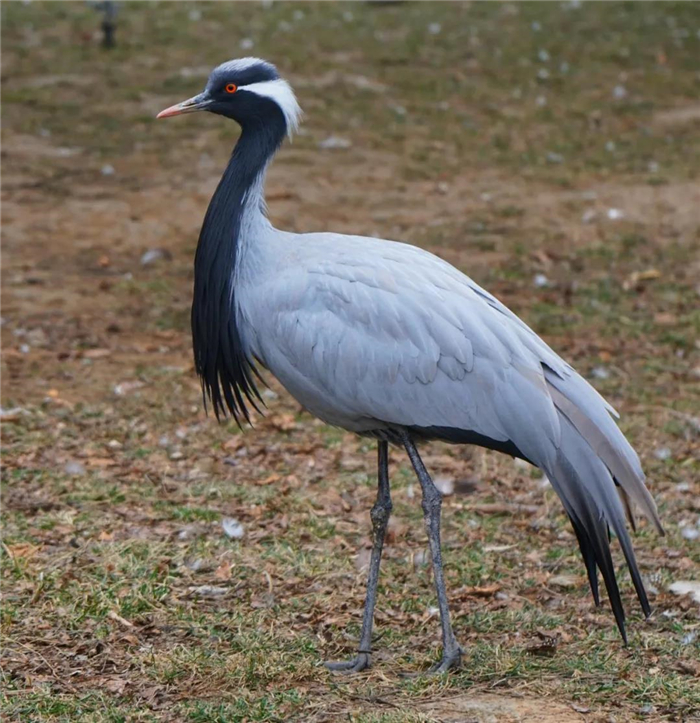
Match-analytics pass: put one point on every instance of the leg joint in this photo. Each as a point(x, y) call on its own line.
point(432, 501)
point(379, 514)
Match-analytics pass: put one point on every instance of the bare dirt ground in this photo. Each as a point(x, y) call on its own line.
point(548, 150)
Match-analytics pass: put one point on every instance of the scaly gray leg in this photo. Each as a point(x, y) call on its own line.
point(380, 521)
point(432, 501)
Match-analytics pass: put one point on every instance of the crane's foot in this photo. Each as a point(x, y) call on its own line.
point(451, 660)
point(360, 662)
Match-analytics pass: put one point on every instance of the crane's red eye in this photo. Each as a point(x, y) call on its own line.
point(231, 88)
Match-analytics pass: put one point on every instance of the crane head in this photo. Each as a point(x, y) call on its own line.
point(248, 90)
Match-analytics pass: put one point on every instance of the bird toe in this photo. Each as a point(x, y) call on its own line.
point(451, 660)
point(360, 662)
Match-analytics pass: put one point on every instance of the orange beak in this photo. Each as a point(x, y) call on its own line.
point(192, 105)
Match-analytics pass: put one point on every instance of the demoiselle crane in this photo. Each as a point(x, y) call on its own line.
point(391, 342)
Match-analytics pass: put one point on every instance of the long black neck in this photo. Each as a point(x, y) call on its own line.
point(226, 371)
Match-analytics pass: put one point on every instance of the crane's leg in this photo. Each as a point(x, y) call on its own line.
point(432, 501)
point(380, 521)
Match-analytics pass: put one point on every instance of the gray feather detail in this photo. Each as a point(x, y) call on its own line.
point(629, 510)
point(610, 445)
point(587, 491)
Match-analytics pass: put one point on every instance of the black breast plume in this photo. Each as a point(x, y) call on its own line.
point(220, 354)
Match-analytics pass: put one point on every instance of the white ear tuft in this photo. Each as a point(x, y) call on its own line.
point(281, 93)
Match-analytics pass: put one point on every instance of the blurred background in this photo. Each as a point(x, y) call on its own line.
point(158, 566)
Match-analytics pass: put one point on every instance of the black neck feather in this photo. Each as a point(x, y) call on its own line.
point(220, 355)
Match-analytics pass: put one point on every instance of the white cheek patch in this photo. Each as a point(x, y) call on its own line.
point(281, 93)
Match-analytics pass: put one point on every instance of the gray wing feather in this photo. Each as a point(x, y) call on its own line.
point(586, 488)
point(605, 439)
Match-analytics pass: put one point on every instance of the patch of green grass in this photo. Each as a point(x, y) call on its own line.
point(94, 707)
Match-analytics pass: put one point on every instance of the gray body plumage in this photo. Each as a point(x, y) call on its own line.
point(369, 334)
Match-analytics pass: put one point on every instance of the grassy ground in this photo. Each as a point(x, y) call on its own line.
point(549, 150)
